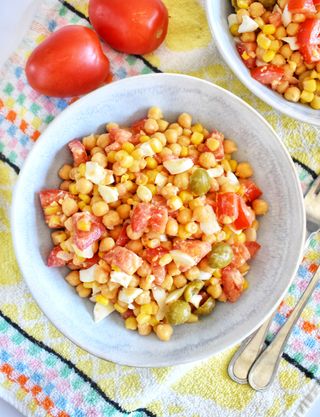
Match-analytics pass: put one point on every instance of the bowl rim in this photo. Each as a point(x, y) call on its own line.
point(250, 82)
point(48, 312)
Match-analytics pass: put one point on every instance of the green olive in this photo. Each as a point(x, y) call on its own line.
point(193, 289)
point(200, 182)
point(220, 256)
point(206, 307)
point(178, 312)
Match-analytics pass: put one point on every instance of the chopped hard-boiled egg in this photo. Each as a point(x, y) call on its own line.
point(85, 253)
point(232, 19)
point(159, 294)
point(109, 194)
point(87, 275)
point(177, 166)
point(144, 193)
point(286, 16)
point(292, 42)
point(95, 172)
point(160, 180)
point(181, 258)
point(128, 295)
point(215, 172)
point(247, 25)
point(204, 275)
point(232, 178)
point(211, 225)
point(65, 256)
point(121, 278)
point(195, 300)
point(100, 311)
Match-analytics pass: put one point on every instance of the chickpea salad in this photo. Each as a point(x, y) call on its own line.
point(156, 221)
point(278, 41)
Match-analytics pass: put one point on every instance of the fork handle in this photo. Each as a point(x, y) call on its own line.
point(264, 369)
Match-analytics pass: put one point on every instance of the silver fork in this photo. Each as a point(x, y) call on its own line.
point(251, 364)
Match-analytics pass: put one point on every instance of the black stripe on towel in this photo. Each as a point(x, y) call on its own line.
point(7, 161)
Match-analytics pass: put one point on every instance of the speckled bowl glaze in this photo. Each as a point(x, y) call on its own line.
point(217, 13)
point(281, 233)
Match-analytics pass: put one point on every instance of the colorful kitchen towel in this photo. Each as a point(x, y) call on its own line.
point(41, 372)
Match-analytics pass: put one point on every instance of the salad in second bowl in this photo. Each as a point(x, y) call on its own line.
point(279, 43)
point(156, 221)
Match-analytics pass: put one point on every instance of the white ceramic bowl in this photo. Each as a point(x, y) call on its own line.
point(217, 12)
point(281, 233)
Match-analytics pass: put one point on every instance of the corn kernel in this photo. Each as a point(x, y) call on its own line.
point(88, 284)
point(315, 103)
point(213, 144)
point(306, 96)
point(156, 145)
point(128, 147)
point(85, 198)
point(185, 196)
point(184, 151)
point(241, 238)
point(175, 203)
point(142, 179)
point(197, 128)
point(234, 29)
point(153, 321)
point(51, 210)
point(152, 188)
point(146, 309)
point(217, 273)
point(81, 205)
point(197, 138)
point(226, 166)
point(137, 154)
point(245, 284)
point(233, 164)
point(119, 309)
point(228, 232)
point(268, 29)
point(144, 193)
point(73, 189)
point(268, 56)
point(191, 227)
point(151, 176)
point(182, 233)
point(309, 85)
point(82, 169)
point(151, 162)
point(165, 259)
point(143, 318)
point(102, 300)
point(263, 41)
point(58, 237)
point(131, 323)
point(243, 4)
point(83, 225)
point(193, 318)
point(144, 138)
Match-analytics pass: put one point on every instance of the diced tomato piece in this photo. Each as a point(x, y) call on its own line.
point(47, 197)
point(253, 248)
point(124, 259)
point(114, 146)
point(240, 255)
point(154, 254)
point(78, 152)
point(84, 239)
point(232, 283)
point(158, 220)
point(245, 215)
point(159, 201)
point(123, 239)
point(267, 74)
point(54, 260)
point(127, 314)
point(159, 273)
point(227, 206)
point(243, 51)
point(138, 125)
point(308, 39)
point(252, 191)
point(87, 263)
point(140, 217)
point(120, 135)
point(275, 19)
point(195, 248)
point(302, 6)
point(316, 2)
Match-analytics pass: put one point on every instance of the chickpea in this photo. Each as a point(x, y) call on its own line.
point(115, 232)
point(200, 214)
point(192, 273)
point(214, 290)
point(285, 51)
point(278, 60)
point(64, 172)
point(185, 120)
point(184, 216)
point(282, 86)
point(183, 141)
point(83, 292)
point(100, 158)
point(207, 160)
point(69, 206)
point(89, 142)
point(301, 69)
point(155, 113)
point(176, 149)
point(101, 275)
point(124, 211)
point(163, 124)
point(296, 57)
point(280, 32)
point(73, 278)
point(179, 281)
point(110, 126)
point(244, 170)
point(65, 185)
point(95, 150)
point(240, 14)
point(171, 135)
point(229, 146)
point(150, 126)
point(144, 329)
point(135, 281)
point(106, 244)
point(164, 332)
point(100, 208)
point(161, 137)
point(251, 234)
point(73, 174)
point(143, 298)
point(292, 94)
point(176, 127)
point(173, 270)
point(84, 186)
point(144, 270)
point(260, 207)
point(131, 234)
point(135, 245)
point(256, 9)
point(172, 227)
point(119, 170)
point(181, 181)
point(292, 29)
point(103, 140)
point(248, 37)
point(111, 219)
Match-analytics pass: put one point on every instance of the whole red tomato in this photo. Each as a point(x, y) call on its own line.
point(69, 62)
point(130, 26)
